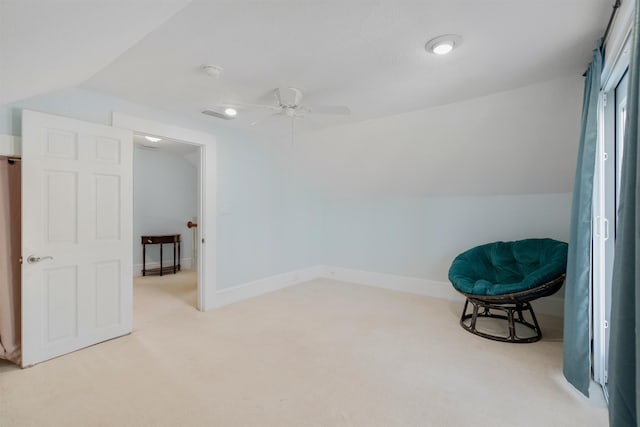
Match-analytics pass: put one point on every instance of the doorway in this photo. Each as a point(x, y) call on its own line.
point(10, 249)
point(206, 143)
point(85, 236)
point(165, 219)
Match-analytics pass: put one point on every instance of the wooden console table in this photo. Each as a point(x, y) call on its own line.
point(161, 240)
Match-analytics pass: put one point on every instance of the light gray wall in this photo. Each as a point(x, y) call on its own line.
point(267, 221)
point(263, 217)
point(164, 199)
point(405, 194)
point(283, 209)
point(419, 237)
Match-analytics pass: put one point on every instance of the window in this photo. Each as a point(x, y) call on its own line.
point(605, 206)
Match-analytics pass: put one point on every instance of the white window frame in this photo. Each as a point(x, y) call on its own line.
point(616, 63)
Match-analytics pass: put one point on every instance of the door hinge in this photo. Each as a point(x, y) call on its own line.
point(604, 99)
point(20, 260)
point(203, 240)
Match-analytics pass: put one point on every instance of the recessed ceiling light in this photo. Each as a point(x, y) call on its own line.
point(443, 44)
point(152, 138)
point(443, 48)
point(231, 112)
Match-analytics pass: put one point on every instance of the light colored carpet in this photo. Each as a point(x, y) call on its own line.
point(323, 353)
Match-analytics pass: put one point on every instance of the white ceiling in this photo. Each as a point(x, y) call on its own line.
point(366, 54)
point(53, 44)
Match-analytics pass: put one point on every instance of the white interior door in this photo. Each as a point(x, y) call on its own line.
point(76, 235)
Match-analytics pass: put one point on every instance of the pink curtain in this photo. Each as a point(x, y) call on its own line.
point(10, 269)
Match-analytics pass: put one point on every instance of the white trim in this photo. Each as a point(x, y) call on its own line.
point(185, 264)
point(599, 247)
point(266, 285)
point(139, 124)
point(10, 145)
point(412, 285)
point(553, 305)
point(206, 262)
point(617, 59)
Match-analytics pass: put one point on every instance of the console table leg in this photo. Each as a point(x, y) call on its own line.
point(161, 245)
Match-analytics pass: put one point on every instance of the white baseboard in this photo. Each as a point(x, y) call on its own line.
point(412, 285)
point(185, 264)
point(432, 288)
point(265, 285)
point(552, 305)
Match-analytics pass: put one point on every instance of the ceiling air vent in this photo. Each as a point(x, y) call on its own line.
point(218, 115)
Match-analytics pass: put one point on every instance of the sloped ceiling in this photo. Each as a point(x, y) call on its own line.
point(366, 54)
point(52, 44)
point(522, 141)
point(512, 137)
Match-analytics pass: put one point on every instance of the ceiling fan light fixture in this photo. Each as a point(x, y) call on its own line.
point(444, 44)
point(212, 70)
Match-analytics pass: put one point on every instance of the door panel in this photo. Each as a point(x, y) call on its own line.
point(60, 194)
point(107, 207)
point(77, 219)
point(107, 293)
point(61, 290)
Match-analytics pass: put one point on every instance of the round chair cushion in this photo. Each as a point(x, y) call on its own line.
point(502, 268)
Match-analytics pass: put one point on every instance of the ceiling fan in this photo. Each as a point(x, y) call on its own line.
point(288, 104)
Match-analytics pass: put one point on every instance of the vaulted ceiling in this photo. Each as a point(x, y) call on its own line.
point(53, 44)
point(366, 54)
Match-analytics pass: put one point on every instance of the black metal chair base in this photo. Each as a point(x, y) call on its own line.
point(513, 313)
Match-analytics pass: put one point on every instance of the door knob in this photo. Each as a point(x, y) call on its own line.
point(32, 259)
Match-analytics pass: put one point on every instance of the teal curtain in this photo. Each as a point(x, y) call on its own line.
point(576, 346)
point(624, 347)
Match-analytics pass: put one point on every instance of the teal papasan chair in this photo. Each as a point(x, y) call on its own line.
point(500, 279)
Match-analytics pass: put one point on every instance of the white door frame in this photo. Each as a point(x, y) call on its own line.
point(206, 256)
point(10, 145)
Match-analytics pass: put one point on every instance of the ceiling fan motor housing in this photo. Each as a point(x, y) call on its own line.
point(289, 96)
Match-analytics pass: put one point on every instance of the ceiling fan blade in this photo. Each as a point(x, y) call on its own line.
point(247, 106)
point(277, 94)
point(329, 109)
